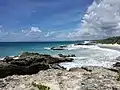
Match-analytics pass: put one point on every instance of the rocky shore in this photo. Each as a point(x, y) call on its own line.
point(29, 63)
point(33, 71)
point(86, 78)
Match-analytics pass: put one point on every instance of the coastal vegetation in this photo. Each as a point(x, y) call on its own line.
point(40, 86)
point(110, 40)
point(118, 76)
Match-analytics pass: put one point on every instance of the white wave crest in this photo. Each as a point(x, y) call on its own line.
point(72, 47)
point(89, 62)
point(47, 48)
point(93, 56)
point(1, 58)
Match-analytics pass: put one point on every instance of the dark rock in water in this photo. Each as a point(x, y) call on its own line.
point(117, 64)
point(62, 47)
point(29, 63)
point(55, 48)
point(84, 44)
point(118, 58)
point(61, 55)
point(52, 48)
point(73, 55)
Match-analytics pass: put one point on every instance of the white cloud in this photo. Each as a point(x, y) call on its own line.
point(32, 31)
point(32, 34)
point(35, 29)
point(102, 19)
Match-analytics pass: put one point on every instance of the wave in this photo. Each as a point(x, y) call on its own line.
point(93, 56)
point(1, 58)
point(72, 46)
point(47, 48)
point(14, 57)
point(103, 59)
point(89, 62)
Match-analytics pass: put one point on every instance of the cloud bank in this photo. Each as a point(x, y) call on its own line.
point(101, 20)
point(32, 34)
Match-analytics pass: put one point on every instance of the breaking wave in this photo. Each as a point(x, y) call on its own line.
point(47, 48)
point(91, 56)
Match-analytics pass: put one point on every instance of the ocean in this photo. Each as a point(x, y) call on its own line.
point(16, 48)
point(91, 55)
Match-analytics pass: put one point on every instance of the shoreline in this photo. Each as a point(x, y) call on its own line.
point(102, 46)
point(53, 77)
point(110, 46)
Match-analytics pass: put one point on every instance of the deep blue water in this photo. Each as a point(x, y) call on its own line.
point(15, 48)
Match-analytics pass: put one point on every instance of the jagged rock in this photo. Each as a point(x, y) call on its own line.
point(30, 63)
point(117, 64)
point(61, 55)
point(62, 47)
point(7, 59)
point(118, 58)
point(75, 69)
point(27, 54)
point(57, 48)
point(76, 79)
point(56, 66)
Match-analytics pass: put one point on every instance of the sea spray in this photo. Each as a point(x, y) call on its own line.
point(92, 56)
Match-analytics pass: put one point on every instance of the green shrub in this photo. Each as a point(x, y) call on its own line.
point(118, 76)
point(40, 87)
point(110, 40)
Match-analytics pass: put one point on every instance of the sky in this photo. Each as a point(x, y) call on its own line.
point(101, 20)
point(40, 20)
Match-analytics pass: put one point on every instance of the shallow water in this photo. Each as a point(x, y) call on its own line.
point(85, 55)
point(15, 48)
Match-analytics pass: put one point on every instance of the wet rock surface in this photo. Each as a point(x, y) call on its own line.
point(117, 64)
point(62, 55)
point(62, 47)
point(29, 63)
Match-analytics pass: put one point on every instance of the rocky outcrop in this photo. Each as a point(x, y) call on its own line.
point(117, 64)
point(86, 78)
point(62, 47)
point(29, 63)
point(61, 55)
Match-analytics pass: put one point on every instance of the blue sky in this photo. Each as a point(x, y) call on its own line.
point(40, 20)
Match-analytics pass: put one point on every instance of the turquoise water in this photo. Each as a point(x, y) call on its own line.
point(15, 48)
point(85, 55)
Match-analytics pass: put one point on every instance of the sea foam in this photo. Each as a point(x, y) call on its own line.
point(93, 56)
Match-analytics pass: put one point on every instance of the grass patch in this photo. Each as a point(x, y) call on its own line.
point(40, 87)
point(118, 76)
